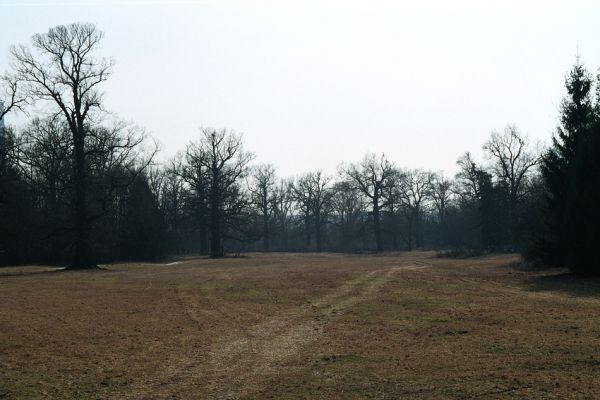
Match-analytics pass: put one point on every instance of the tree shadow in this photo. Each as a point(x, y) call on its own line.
point(25, 271)
point(566, 283)
point(6, 272)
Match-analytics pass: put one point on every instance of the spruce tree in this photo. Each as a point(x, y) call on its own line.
point(570, 169)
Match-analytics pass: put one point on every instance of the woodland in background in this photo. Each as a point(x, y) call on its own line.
point(78, 187)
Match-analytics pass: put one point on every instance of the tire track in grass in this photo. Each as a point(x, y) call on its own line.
point(241, 365)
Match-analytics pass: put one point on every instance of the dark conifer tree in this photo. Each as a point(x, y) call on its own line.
point(570, 171)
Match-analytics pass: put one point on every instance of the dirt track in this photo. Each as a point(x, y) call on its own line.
point(300, 326)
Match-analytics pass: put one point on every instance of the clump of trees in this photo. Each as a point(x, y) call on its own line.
point(79, 187)
point(71, 169)
point(569, 234)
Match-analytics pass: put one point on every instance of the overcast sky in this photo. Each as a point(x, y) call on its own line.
point(314, 83)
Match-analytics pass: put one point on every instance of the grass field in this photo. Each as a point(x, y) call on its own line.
point(279, 326)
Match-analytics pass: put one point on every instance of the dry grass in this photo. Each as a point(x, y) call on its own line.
point(300, 326)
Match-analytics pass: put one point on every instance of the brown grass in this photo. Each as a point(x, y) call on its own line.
point(285, 326)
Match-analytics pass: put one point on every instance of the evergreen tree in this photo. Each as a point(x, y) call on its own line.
point(570, 171)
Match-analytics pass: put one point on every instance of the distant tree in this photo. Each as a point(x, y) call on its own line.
point(191, 169)
point(321, 203)
point(263, 197)
point(393, 207)
point(481, 207)
point(414, 192)
point(468, 179)
point(513, 165)
point(172, 196)
point(441, 194)
point(221, 155)
point(370, 177)
point(303, 194)
point(283, 208)
point(349, 210)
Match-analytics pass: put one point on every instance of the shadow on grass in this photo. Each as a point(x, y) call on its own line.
point(6, 272)
point(28, 272)
point(567, 283)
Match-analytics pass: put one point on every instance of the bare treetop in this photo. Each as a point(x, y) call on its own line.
point(64, 69)
point(512, 158)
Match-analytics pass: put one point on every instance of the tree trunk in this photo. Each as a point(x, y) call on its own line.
point(318, 231)
point(377, 225)
point(307, 227)
point(215, 223)
point(265, 230)
point(418, 236)
point(83, 254)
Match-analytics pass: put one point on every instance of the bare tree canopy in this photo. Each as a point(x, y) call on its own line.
point(221, 155)
point(62, 69)
point(513, 163)
point(370, 177)
point(512, 159)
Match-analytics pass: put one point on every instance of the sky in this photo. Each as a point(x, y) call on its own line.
point(310, 84)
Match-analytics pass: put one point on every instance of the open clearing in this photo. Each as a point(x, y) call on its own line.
point(281, 326)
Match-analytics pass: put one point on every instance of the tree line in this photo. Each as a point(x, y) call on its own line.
point(80, 187)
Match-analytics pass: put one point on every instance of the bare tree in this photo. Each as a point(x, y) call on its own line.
point(513, 162)
point(222, 155)
point(370, 177)
point(263, 197)
point(321, 203)
point(191, 169)
point(468, 179)
point(65, 72)
point(441, 194)
point(172, 194)
point(348, 207)
point(283, 207)
point(302, 192)
point(415, 190)
point(313, 196)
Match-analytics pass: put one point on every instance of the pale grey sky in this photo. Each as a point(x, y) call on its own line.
point(314, 83)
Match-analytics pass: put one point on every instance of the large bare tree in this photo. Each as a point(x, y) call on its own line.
point(370, 177)
point(221, 154)
point(61, 68)
point(313, 196)
point(513, 162)
point(191, 169)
